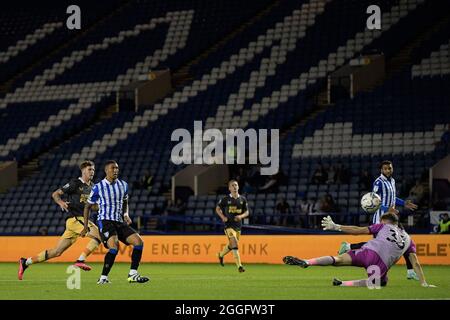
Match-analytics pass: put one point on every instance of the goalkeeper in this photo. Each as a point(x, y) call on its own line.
point(377, 256)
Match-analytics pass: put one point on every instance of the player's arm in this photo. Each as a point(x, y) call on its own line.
point(220, 212)
point(245, 214)
point(418, 269)
point(407, 204)
point(126, 214)
point(56, 196)
point(242, 215)
point(328, 224)
point(86, 213)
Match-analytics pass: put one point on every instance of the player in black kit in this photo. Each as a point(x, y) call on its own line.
point(77, 191)
point(232, 209)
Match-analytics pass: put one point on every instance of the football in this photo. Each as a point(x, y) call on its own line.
point(370, 202)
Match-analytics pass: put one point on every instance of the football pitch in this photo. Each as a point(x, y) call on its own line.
point(213, 282)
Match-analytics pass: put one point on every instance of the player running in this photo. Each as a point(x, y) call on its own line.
point(378, 254)
point(77, 192)
point(384, 186)
point(232, 209)
point(111, 194)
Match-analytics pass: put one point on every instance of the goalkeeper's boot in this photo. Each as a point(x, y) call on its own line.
point(22, 267)
point(82, 265)
point(411, 275)
point(241, 269)
point(344, 248)
point(293, 261)
point(220, 259)
point(336, 282)
point(136, 278)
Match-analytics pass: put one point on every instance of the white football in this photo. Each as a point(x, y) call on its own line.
point(370, 202)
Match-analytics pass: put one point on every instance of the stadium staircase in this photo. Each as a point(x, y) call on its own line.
point(32, 167)
point(183, 76)
point(403, 58)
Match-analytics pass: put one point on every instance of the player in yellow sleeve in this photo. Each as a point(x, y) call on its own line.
point(232, 209)
point(77, 192)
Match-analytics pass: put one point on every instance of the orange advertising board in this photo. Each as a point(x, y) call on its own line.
point(431, 249)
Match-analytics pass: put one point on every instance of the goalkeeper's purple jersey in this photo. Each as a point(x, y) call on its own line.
point(390, 243)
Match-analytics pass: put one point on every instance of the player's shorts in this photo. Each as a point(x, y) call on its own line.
point(366, 258)
point(230, 232)
point(109, 228)
point(74, 226)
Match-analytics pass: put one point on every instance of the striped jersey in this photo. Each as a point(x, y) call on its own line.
point(385, 188)
point(110, 198)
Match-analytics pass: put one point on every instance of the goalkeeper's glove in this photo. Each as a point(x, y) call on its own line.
point(328, 224)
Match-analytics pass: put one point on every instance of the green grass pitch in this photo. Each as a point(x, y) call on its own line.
point(213, 282)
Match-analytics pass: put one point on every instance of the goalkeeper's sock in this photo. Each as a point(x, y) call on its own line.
point(354, 283)
point(237, 257)
point(355, 246)
point(225, 251)
point(322, 261)
point(109, 261)
point(408, 263)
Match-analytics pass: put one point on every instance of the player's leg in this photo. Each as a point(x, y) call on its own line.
point(62, 245)
point(138, 245)
point(112, 244)
point(44, 255)
point(346, 247)
point(341, 260)
point(91, 246)
point(130, 236)
point(65, 242)
point(375, 267)
point(110, 240)
point(233, 243)
point(225, 250)
point(67, 239)
point(369, 282)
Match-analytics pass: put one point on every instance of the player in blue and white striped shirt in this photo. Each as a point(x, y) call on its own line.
point(384, 186)
point(113, 220)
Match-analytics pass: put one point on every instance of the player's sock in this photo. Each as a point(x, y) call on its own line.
point(321, 261)
point(237, 257)
point(225, 251)
point(354, 283)
point(408, 262)
point(355, 246)
point(136, 257)
point(41, 257)
point(132, 272)
point(92, 245)
point(109, 261)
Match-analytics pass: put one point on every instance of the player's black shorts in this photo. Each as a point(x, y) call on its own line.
point(109, 228)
